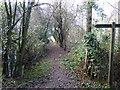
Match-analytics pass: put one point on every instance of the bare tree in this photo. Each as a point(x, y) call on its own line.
point(25, 26)
point(11, 23)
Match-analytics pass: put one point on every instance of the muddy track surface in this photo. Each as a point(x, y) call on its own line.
point(58, 76)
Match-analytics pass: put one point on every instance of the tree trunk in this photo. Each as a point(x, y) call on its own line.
point(119, 28)
point(60, 26)
point(9, 39)
point(89, 17)
point(25, 26)
point(88, 30)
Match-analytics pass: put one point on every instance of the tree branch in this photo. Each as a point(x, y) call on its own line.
point(39, 4)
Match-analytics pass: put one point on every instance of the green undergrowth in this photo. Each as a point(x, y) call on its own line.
point(77, 72)
point(38, 72)
point(74, 58)
point(40, 69)
point(74, 63)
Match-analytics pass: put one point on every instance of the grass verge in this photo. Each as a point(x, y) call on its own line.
point(37, 74)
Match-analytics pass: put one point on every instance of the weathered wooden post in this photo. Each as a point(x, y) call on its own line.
point(111, 53)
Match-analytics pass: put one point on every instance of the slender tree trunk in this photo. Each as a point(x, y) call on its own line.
point(119, 28)
point(88, 30)
point(89, 17)
point(9, 39)
point(11, 22)
point(60, 26)
point(25, 26)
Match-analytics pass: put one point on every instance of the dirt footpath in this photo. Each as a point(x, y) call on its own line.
point(58, 77)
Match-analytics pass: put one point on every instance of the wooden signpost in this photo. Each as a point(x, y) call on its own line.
point(111, 53)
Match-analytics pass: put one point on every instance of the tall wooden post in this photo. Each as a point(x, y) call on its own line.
point(111, 54)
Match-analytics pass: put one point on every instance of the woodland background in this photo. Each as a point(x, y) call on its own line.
point(27, 28)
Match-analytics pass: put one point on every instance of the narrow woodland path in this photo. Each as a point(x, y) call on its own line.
point(58, 77)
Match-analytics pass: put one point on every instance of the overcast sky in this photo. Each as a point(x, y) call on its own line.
point(103, 3)
point(107, 5)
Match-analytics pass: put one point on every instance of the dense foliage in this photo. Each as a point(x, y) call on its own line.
point(19, 44)
point(97, 58)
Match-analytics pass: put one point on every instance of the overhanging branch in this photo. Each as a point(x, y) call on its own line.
point(39, 4)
